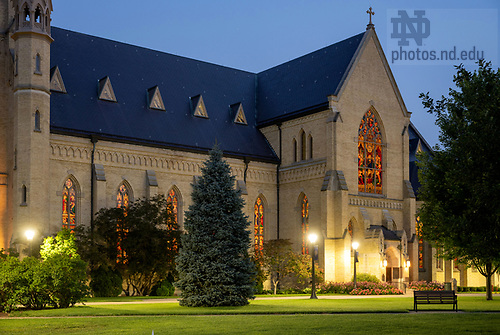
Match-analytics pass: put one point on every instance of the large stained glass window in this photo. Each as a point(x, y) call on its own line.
point(69, 205)
point(418, 228)
point(305, 225)
point(369, 155)
point(258, 224)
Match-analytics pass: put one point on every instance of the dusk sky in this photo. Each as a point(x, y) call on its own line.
point(254, 35)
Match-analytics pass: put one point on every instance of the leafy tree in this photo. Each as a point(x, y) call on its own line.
point(460, 181)
point(213, 263)
point(282, 263)
point(277, 260)
point(62, 273)
point(140, 242)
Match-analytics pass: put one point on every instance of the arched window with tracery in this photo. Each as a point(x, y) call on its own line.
point(69, 205)
point(305, 224)
point(370, 155)
point(258, 224)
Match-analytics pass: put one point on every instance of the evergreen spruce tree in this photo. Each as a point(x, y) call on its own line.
point(213, 263)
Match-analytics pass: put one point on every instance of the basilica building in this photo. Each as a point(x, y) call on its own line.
point(322, 143)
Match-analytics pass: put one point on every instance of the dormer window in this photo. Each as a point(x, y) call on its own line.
point(154, 99)
point(106, 90)
point(56, 81)
point(239, 114)
point(198, 106)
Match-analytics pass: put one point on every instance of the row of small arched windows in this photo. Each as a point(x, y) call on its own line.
point(35, 18)
point(303, 149)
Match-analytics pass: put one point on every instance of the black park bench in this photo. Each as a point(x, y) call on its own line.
point(435, 297)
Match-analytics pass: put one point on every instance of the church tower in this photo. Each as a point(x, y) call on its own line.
point(30, 109)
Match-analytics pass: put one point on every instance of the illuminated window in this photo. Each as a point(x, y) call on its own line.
point(258, 224)
point(305, 224)
point(369, 155)
point(69, 205)
point(418, 228)
point(172, 198)
point(122, 197)
point(349, 229)
point(122, 201)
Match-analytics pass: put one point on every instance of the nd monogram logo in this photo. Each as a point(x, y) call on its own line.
point(405, 27)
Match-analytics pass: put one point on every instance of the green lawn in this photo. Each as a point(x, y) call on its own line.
point(279, 316)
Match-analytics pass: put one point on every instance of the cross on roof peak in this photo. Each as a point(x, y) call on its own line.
point(370, 12)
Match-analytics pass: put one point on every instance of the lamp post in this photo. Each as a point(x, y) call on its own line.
point(29, 235)
point(313, 238)
point(355, 246)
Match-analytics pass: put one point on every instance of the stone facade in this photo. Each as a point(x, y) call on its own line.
point(317, 152)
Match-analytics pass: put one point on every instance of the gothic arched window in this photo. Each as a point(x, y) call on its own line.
point(37, 121)
point(172, 198)
point(69, 205)
point(303, 145)
point(258, 224)
point(38, 66)
point(310, 147)
point(122, 197)
point(369, 155)
point(295, 156)
point(418, 228)
point(122, 201)
point(305, 224)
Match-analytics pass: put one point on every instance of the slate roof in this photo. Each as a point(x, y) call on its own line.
point(282, 92)
point(84, 59)
point(302, 86)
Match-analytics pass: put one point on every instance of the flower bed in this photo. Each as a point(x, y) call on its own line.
point(426, 286)
point(362, 288)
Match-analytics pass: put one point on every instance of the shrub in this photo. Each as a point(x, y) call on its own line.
point(9, 275)
point(360, 277)
point(105, 282)
point(65, 279)
point(163, 288)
